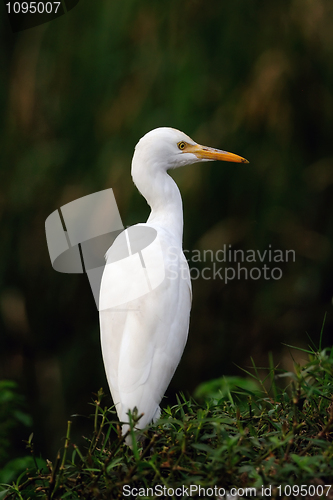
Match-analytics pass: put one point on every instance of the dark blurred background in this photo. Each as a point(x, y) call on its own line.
point(76, 94)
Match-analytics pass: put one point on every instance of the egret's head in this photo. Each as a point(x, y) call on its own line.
point(171, 148)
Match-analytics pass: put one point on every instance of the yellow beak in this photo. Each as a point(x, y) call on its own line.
point(205, 153)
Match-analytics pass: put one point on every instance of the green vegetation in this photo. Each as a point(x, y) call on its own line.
point(11, 414)
point(13, 423)
point(270, 437)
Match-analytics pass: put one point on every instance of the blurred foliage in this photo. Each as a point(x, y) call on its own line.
point(221, 388)
point(13, 418)
point(251, 77)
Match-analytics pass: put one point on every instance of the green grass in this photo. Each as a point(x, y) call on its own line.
point(254, 436)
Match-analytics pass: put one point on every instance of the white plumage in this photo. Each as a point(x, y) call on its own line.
point(143, 340)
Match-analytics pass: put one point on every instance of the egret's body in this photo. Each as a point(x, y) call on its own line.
point(142, 343)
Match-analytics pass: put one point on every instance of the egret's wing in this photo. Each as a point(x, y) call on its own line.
point(149, 358)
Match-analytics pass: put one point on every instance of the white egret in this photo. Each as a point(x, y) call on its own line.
point(142, 343)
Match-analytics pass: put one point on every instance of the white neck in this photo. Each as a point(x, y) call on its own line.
point(162, 195)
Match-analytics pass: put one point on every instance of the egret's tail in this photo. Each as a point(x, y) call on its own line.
point(157, 414)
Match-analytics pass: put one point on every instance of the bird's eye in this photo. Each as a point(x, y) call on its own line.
point(181, 145)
